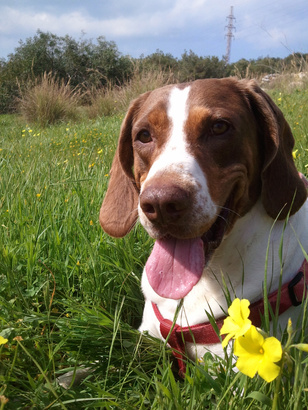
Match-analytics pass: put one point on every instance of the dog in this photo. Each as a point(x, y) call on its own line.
point(207, 168)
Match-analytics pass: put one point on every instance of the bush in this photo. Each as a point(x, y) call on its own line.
point(48, 100)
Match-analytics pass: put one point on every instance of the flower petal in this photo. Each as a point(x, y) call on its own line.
point(244, 328)
point(268, 370)
point(237, 323)
point(229, 326)
point(3, 340)
point(239, 310)
point(234, 310)
point(249, 344)
point(272, 349)
point(226, 340)
point(248, 365)
point(245, 311)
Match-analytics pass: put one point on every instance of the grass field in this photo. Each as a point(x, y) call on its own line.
point(70, 295)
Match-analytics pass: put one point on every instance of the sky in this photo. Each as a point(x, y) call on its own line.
point(262, 28)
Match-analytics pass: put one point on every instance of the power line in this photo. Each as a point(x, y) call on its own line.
point(278, 16)
point(229, 35)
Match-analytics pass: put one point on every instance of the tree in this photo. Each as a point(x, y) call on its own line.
point(194, 67)
point(78, 62)
point(161, 61)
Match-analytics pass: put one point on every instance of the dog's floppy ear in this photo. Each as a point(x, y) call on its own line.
point(282, 188)
point(119, 211)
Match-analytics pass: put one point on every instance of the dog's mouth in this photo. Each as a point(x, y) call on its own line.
point(175, 265)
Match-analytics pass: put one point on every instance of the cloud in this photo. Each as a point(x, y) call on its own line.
point(175, 14)
point(170, 25)
point(12, 20)
point(265, 32)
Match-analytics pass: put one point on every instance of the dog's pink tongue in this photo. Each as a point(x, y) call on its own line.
point(175, 266)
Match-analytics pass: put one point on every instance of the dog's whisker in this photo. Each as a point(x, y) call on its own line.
point(229, 210)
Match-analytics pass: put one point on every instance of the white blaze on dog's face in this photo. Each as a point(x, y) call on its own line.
point(179, 169)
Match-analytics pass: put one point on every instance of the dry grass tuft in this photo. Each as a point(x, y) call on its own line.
point(46, 100)
point(112, 100)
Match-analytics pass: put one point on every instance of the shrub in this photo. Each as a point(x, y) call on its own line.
point(48, 100)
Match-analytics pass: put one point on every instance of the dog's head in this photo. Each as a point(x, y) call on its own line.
point(195, 157)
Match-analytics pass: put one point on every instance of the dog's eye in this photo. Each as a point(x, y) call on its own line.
point(144, 136)
point(220, 127)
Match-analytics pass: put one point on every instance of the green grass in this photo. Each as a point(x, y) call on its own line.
point(294, 107)
point(73, 294)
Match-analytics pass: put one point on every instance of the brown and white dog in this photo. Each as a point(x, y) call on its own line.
point(207, 167)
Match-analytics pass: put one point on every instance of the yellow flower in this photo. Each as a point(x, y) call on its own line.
point(91, 222)
point(257, 354)
point(294, 153)
point(237, 323)
point(3, 340)
point(78, 263)
point(38, 195)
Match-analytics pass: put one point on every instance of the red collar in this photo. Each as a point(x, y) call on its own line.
point(291, 294)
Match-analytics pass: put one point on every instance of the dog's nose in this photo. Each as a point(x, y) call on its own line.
point(165, 203)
